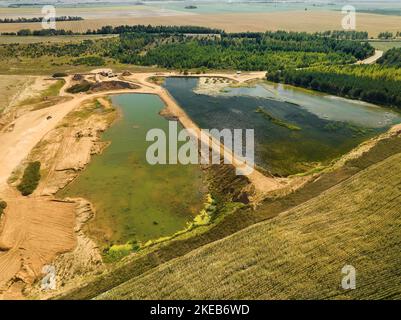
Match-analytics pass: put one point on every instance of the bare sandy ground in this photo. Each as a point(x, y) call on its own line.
point(34, 231)
point(310, 21)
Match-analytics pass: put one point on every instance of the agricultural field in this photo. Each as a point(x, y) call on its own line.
point(385, 45)
point(295, 20)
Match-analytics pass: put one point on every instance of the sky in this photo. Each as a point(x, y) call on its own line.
point(6, 2)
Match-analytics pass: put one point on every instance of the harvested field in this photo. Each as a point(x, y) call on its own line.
point(310, 21)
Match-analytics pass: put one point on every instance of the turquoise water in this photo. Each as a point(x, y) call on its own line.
point(134, 200)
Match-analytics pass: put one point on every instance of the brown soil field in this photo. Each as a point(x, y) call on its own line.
point(309, 21)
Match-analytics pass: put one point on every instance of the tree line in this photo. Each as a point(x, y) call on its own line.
point(39, 19)
point(389, 35)
point(375, 84)
point(245, 51)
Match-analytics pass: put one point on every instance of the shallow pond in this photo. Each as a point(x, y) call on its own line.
point(328, 127)
point(135, 200)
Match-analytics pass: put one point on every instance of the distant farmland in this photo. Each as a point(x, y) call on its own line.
point(310, 21)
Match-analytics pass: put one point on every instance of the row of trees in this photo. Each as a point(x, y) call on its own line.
point(42, 32)
point(39, 19)
point(155, 30)
point(389, 35)
point(356, 85)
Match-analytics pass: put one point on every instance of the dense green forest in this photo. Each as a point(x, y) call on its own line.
point(215, 55)
point(198, 47)
point(391, 58)
point(245, 51)
point(378, 84)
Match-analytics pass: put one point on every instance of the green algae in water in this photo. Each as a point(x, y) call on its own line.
point(325, 133)
point(136, 201)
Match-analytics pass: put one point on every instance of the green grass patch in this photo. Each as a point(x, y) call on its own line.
point(30, 179)
point(54, 89)
point(118, 251)
point(92, 61)
point(277, 121)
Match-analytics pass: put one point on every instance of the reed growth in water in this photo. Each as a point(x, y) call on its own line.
point(277, 121)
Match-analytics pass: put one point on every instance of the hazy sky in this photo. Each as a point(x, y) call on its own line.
point(6, 2)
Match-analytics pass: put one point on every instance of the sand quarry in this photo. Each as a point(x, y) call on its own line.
point(37, 230)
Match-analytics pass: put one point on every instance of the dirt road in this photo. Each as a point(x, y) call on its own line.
point(372, 59)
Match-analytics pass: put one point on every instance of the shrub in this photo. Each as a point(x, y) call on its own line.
point(59, 75)
point(92, 61)
point(3, 205)
point(30, 179)
point(80, 87)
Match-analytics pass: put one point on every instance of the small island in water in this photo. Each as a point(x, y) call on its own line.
point(191, 7)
